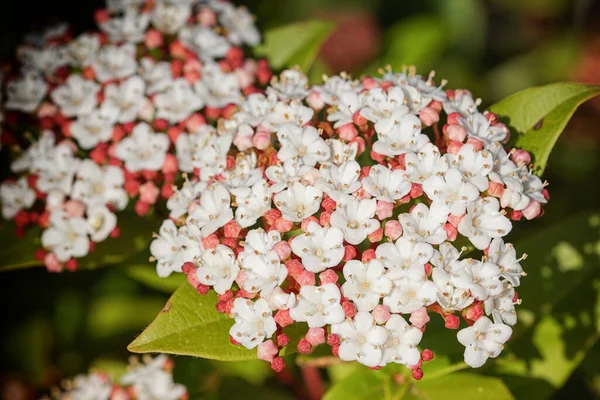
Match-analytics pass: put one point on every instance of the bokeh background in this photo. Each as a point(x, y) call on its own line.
point(54, 326)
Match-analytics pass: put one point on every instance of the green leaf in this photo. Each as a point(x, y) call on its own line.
point(18, 252)
point(189, 324)
point(295, 44)
point(539, 115)
point(146, 274)
point(362, 385)
point(462, 386)
point(560, 316)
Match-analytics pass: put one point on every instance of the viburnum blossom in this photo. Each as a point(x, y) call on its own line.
point(150, 379)
point(117, 116)
point(340, 207)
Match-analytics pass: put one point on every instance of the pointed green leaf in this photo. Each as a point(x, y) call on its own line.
point(295, 44)
point(361, 385)
point(539, 115)
point(462, 386)
point(189, 324)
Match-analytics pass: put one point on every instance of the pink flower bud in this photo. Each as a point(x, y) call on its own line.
point(349, 252)
point(333, 339)
point(329, 204)
point(474, 312)
point(306, 278)
point(516, 215)
point(132, 187)
point(307, 222)
point(384, 209)
point(294, 268)
point(206, 17)
point(324, 218)
point(153, 39)
point(315, 101)
point(533, 210)
point(71, 265)
point(419, 318)
point(427, 355)
point(328, 276)
point(315, 336)
point(304, 347)
point(417, 374)
point(52, 263)
point(261, 140)
point(393, 229)
point(348, 131)
point(368, 255)
point(360, 144)
point(521, 157)
point(242, 142)
point(349, 309)
point(478, 144)
point(141, 208)
point(232, 229)
point(267, 351)
point(177, 50)
point(377, 157)
point(283, 225)
point(283, 318)
point(451, 232)
point(74, 208)
point(429, 116)
point(376, 236)
point(272, 215)
point(283, 250)
point(381, 314)
point(454, 147)
point(277, 364)
point(416, 190)
point(245, 78)
point(456, 133)
point(495, 189)
point(452, 322)
point(149, 193)
point(173, 133)
point(369, 82)
point(454, 118)
point(282, 340)
point(210, 242)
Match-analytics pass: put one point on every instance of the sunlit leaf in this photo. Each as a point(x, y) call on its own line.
point(465, 386)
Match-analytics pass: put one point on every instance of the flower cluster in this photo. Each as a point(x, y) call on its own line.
point(344, 207)
point(149, 380)
point(119, 113)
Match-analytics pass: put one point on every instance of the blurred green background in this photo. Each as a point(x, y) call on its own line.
point(55, 326)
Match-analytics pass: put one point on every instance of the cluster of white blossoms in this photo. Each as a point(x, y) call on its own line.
point(348, 207)
point(151, 379)
point(120, 113)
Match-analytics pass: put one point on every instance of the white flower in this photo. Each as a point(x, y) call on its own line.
point(339, 181)
point(94, 386)
point(66, 236)
point(502, 306)
point(262, 272)
point(170, 18)
point(26, 93)
point(283, 113)
point(45, 60)
point(212, 212)
point(16, 196)
point(482, 279)
point(404, 137)
point(239, 25)
point(318, 306)
point(342, 152)
point(95, 127)
point(253, 204)
point(143, 150)
point(101, 222)
point(255, 108)
point(348, 103)
point(504, 256)
point(449, 297)
point(355, 218)
point(78, 96)
point(479, 127)
point(36, 153)
point(385, 109)
point(291, 84)
point(83, 49)
point(425, 163)
point(409, 295)
point(426, 223)
point(334, 87)
point(172, 247)
point(217, 268)
point(127, 98)
point(217, 88)
point(483, 222)
point(280, 300)
point(122, 5)
point(419, 92)
point(461, 102)
point(181, 199)
point(208, 151)
point(473, 164)
point(129, 28)
point(259, 242)
point(319, 248)
point(100, 185)
point(401, 346)
point(157, 75)
point(115, 62)
point(178, 102)
point(298, 201)
point(532, 185)
point(207, 44)
point(253, 322)
point(451, 190)
point(243, 175)
point(56, 172)
point(152, 381)
point(483, 340)
point(406, 258)
point(446, 257)
point(304, 143)
point(283, 176)
point(366, 283)
point(385, 184)
point(361, 339)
